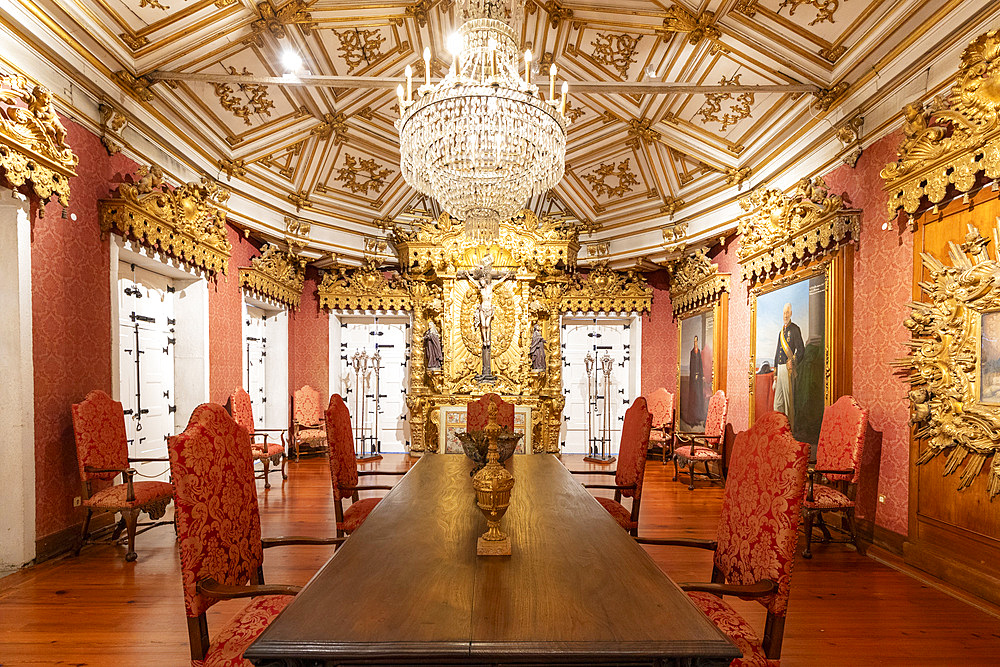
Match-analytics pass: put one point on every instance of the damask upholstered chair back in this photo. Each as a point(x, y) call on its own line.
point(99, 431)
point(842, 439)
point(476, 416)
point(707, 447)
point(715, 420)
point(241, 409)
point(340, 440)
point(218, 525)
point(760, 509)
point(661, 405)
point(308, 408)
point(632, 449)
point(268, 453)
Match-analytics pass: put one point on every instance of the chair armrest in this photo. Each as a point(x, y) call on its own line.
point(148, 460)
point(368, 487)
point(268, 542)
point(760, 589)
point(688, 436)
point(226, 592)
point(102, 470)
point(269, 430)
point(814, 471)
point(399, 473)
point(678, 542)
point(593, 472)
point(127, 473)
point(619, 487)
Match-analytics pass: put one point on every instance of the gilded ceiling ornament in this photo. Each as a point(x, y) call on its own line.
point(953, 141)
point(233, 167)
point(608, 291)
point(782, 230)
point(113, 122)
point(363, 175)
point(283, 161)
point(134, 41)
point(640, 131)
point(155, 4)
point(375, 245)
point(276, 274)
point(254, 98)
point(572, 112)
point(833, 54)
point(695, 282)
point(670, 205)
point(680, 20)
point(138, 87)
point(33, 148)
point(599, 249)
point(746, 7)
point(557, 13)
point(332, 125)
point(598, 179)
point(418, 11)
point(737, 176)
point(953, 400)
point(360, 47)
point(825, 97)
point(675, 236)
point(186, 222)
point(617, 51)
point(298, 227)
point(739, 110)
point(849, 134)
point(825, 9)
point(300, 199)
point(274, 19)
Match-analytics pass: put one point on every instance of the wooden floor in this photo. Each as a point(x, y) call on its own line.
point(845, 609)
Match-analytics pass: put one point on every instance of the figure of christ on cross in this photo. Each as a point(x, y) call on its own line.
point(484, 278)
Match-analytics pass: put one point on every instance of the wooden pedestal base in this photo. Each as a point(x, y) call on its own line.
point(600, 460)
point(493, 547)
point(368, 457)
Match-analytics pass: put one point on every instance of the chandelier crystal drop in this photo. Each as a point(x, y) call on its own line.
point(482, 140)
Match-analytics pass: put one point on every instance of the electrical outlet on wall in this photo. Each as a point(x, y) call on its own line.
point(881, 497)
point(76, 501)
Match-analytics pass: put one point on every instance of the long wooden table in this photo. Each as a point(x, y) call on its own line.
point(408, 588)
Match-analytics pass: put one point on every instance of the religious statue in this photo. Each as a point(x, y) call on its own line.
point(484, 277)
point(537, 350)
point(432, 344)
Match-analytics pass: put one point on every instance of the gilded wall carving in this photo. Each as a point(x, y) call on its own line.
point(33, 148)
point(187, 222)
point(276, 274)
point(955, 398)
point(695, 282)
point(366, 288)
point(608, 291)
point(952, 141)
point(782, 230)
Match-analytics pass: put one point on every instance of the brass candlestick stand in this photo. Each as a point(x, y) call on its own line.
point(493, 485)
point(598, 448)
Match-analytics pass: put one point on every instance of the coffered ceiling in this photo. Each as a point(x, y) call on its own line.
point(331, 155)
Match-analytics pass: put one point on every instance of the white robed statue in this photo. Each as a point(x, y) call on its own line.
point(485, 278)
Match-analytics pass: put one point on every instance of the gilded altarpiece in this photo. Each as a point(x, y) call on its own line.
point(538, 259)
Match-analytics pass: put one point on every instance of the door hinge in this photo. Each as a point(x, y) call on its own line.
point(171, 409)
point(171, 321)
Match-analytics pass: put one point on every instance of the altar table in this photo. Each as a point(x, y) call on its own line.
point(408, 588)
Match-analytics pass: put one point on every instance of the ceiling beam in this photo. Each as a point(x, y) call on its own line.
point(599, 87)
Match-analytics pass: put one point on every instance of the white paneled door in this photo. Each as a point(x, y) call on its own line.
point(254, 357)
point(146, 356)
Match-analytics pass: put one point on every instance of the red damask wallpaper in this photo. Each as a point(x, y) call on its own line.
point(225, 327)
point(309, 342)
point(737, 385)
point(659, 339)
point(71, 324)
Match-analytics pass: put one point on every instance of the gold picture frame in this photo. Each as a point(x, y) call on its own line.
point(718, 311)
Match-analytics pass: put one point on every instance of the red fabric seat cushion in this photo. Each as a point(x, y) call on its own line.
point(273, 449)
point(145, 493)
point(356, 514)
point(825, 497)
point(237, 635)
point(697, 453)
point(305, 434)
point(737, 629)
point(618, 511)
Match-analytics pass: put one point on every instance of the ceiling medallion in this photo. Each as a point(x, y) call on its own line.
point(482, 141)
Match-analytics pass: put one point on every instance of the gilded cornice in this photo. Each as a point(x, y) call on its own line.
point(365, 288)
point(953, 141)
point(33, 146)
point(945, 366)
point(276, 274)
point(607, 291)
point(782, 230)
point(695, 282)
point(186, 222)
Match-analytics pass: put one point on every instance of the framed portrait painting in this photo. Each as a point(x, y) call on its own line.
point(696, 369)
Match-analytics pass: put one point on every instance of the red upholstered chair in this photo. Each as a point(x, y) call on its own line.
point(218, 527)
point(661, 404)
point(476, 417)
point(308, 429)
point(241, 408)
point(707, 447)
point(755, 543)
point(344, 473)
point(102, 454)
point(631, 467)
point(838, 460)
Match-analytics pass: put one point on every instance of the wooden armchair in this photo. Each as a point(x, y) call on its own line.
point(218, 527)
point(630, 470)
point(661, 404)
point(344, 473)
point(102, 454)
point(707, 447)
point(308, 429)
point(755, 543)
point(838, 461)
point(268, 453)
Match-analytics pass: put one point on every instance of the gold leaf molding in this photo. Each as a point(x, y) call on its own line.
point(366, 288)
point(276, 274)
point(695, 282)
point(607, 291)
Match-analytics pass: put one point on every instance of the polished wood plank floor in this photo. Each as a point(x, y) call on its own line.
point(845, 609)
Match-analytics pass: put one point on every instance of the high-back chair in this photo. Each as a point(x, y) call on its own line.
point(268, 453)
point(755, 543)
point(707, 447)
point(344, 473)
point(102, 455)
point(661, 405)
point(218, 527)
point(308, 429)
point(631, 468)
point(476, 416)
point(838, 460)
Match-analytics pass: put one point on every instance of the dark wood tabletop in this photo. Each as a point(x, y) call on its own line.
point(408, 587)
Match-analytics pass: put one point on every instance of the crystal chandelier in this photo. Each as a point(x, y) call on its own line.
point(482, 140)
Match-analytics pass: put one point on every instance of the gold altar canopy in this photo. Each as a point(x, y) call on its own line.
point(533, 265)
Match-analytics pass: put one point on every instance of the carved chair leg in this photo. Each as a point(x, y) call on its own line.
point(131, 518)
point(691, 472)
point(676, 472)
point(807, 522)
point(86, 532)
point(119, 527)
point(267, 470)
point(296, 450)
point(849, 518)
point(827, 537)
point(284, 460)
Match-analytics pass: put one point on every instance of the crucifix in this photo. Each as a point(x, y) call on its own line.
point(484, 278)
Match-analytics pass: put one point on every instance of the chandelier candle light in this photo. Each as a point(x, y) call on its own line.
point(482, 140)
